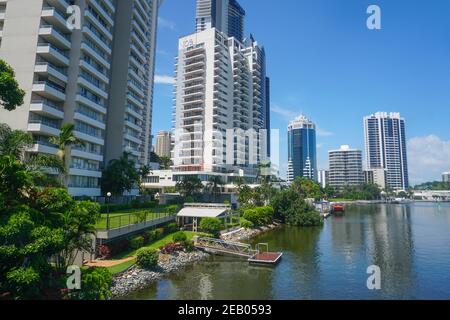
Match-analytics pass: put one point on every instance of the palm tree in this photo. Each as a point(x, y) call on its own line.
point(65, 139)
point(215, 185)
point(189, 186)
point(14, 143)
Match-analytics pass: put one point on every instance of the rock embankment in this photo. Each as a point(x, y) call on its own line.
point(246, 234)
point(136, 278)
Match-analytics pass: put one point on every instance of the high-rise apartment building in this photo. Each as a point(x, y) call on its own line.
point(345, 167)
point(163, 144)
point(376, 176)
point(302, 150)
point(220, 112)
point(385, 141)
point(226, 16)
point(131, 86)
point(72, 76)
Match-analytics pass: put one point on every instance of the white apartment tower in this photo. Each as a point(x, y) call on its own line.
point(69, 76)
point(386, 148)
point(220, 103)
point(345, 167)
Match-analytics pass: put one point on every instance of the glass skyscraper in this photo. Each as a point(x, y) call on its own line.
point(226, 16)
point(385, 141)
point(302, 149)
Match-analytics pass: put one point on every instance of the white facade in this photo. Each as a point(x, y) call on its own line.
point(67, 76)
point(219, 103)
point(345, 167)
point(323, 177)
point(386, 148)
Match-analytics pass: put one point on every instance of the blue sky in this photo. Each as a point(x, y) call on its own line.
point(325, 63)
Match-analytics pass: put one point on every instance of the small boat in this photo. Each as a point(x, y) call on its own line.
point(337, 207)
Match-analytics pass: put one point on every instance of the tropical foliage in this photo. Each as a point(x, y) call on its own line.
point(11, 96)
point(119, 176)
point(189, 186)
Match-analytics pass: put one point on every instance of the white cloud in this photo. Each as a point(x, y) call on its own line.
point(164, 23)
point(428, 157)
point(324, 133)
point(162, 79)
point(283, 112)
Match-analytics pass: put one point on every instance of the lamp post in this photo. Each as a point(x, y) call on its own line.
point(108, 196)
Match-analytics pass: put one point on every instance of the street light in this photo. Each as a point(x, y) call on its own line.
point(108, 196)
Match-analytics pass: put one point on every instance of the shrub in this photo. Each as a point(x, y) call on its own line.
point(171, 248)
point(172, 209)
point(259, 216)
point(172, 227)
point(147, 258)
point(188, 245)
point(95, 285)
point(137, 242)
point(150, 236)
point(211, 225)
point(159, 232)
point(246, 224)
point(179, 237)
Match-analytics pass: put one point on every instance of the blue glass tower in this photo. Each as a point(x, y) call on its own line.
point(302, 149)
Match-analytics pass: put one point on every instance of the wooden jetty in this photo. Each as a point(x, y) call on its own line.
point(254, 256)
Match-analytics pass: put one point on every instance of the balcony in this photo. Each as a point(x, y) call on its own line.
point(94, 37)
point(98, 25)
point(46, 69)
point(53, 54)
point(93, 122)
point(60, 4)
point(42, 147)
point(89, 138)
point(96, 55)
point(53, 17)
point(48, 90)
point(85, 173)
point(135, 101)
point(91, 86)
point(47, 108)
point(92, 104)
point(43, 128)
point(102, 11)
point(93, 70)
point(2, 14)
point(50, 34)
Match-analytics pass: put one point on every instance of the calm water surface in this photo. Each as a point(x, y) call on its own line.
point(410, 243)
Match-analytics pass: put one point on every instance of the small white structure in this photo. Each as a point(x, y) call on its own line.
point(192, 212)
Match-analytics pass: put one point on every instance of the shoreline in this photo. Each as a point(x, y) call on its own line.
point(135, 278)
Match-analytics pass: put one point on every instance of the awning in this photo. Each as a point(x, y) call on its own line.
point(202, 212)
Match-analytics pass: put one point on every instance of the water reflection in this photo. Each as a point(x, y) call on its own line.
point(408, 242)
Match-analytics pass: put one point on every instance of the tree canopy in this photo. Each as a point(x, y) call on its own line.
point(11, 96)
point(119, 176)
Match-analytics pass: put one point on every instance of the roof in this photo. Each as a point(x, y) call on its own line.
point(202, 212)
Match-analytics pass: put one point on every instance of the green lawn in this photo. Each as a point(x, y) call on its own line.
point(155, 245)
point(340, 200)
